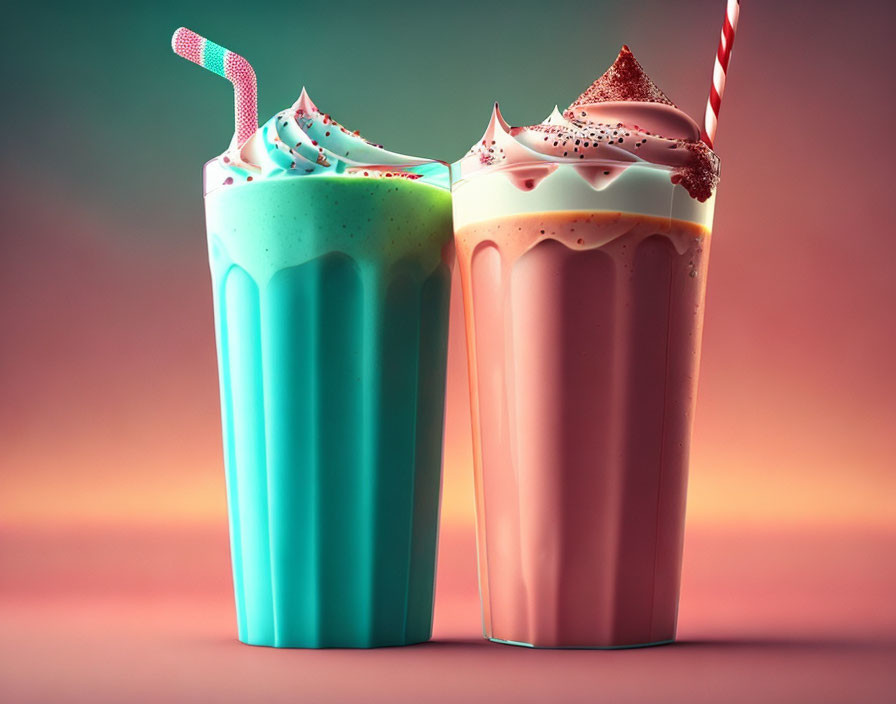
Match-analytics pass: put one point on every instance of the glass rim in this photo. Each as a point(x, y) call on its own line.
point(299, 176)
point(397, 167)
point(562, 161)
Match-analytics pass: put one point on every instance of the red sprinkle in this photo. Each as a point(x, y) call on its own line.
point(624, 80)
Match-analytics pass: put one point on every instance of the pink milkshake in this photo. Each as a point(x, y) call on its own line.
point(583, 244)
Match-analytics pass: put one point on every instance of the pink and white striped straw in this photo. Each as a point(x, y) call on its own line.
point(231, 66)
point(719, 73)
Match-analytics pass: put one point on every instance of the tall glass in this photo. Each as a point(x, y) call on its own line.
point(331, 312)
point(584, 309)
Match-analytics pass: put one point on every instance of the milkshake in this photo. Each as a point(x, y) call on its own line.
point(582, 244)
point(330, 261)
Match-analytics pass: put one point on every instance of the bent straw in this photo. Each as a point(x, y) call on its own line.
point(231, 66)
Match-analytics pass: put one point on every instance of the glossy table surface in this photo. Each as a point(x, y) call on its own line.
point(146, 615)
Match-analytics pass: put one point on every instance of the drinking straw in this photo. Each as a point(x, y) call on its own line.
point(231, 66)
point(719, 72)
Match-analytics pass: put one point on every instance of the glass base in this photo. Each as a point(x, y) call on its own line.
point(334, 645)
point(581, 647)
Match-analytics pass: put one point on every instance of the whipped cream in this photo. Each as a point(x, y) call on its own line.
point(303, 141)
point(622, 119)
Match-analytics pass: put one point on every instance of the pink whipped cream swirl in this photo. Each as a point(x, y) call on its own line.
point(623, 118)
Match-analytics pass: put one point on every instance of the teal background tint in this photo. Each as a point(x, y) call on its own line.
point(114, 564)
point(109, 406)
point(104, 110)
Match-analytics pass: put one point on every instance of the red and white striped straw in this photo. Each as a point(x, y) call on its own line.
point(719, 73)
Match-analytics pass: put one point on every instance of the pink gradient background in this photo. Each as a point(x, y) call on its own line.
point(114, 575)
